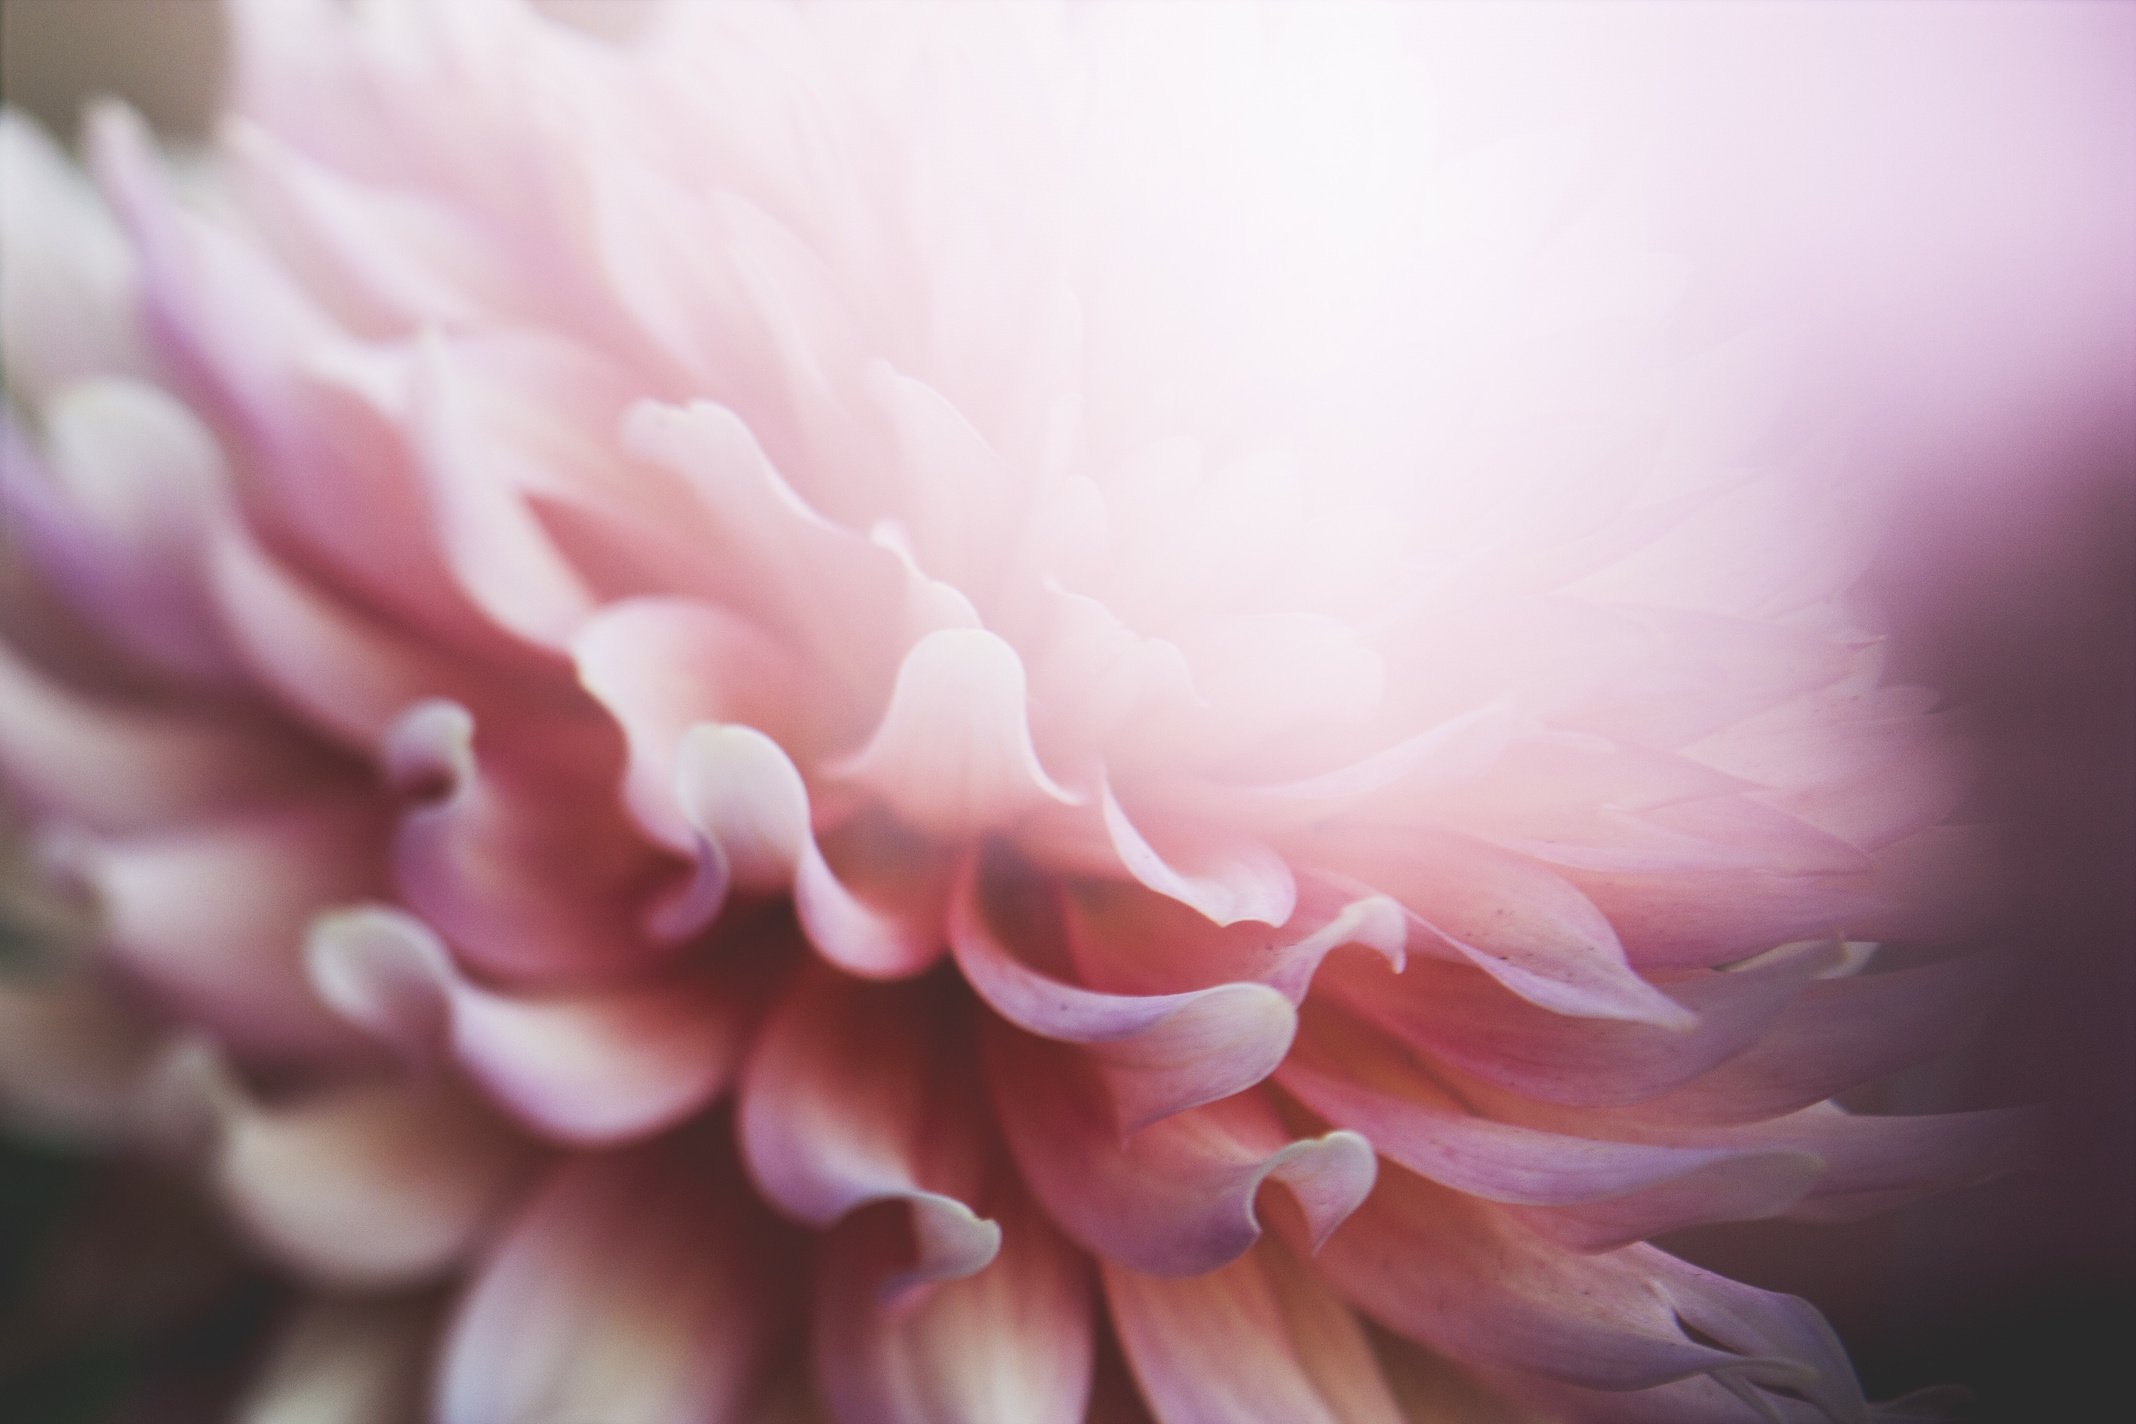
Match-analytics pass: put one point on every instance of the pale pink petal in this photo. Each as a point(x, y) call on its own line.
point(952, 754)
point(67, 282)
point(586, 1068)
point(1605, 1193)
point(1525, 927)
point(741, 793)
point(1456, 1014)
point(234, 958)
point(1176, 1197)
point(662, 665)
point(366, 1185)
point(115, 513)
point(1227, 877)
point(848, 1100)
point(525, 879)
point(1256, 1342)
point(348, 672)
point(1011, 1344)
point(344, 1361)
point(118, 767)
point(632, 1288)
point(1161, 1053)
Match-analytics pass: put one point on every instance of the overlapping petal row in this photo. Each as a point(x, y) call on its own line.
point(661, 734)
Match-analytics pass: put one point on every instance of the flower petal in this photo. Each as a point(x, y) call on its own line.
point(364, 1185)
point(952, 753)
point(662, 665)
point(847, 1100)
point(1161, 1052)
point(1256, 1342)
point(1011, 1344)
point(741, 793)
point(634, 1288)
point(525, 867)
point(1177, 1197)
point(233, 958)
point(588, 1068)
point(344, 1362)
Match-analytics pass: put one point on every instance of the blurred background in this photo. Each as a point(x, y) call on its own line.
point(2007, 577)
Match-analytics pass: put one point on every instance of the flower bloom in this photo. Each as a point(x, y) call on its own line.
point(817, 703)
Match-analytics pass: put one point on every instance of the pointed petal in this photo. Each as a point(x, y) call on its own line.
point(1463, 1018)
point(1605, 1193)
point(523, 864)
point(1226, 877)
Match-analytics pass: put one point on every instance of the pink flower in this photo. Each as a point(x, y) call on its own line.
point(946, 715)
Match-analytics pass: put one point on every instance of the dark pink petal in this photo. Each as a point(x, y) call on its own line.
point(1699, 918)
point(1011, 1344)
point(365, 1185)
point(849, 1099)
point(1176, 1197)
point(952, 753)
point(586, 1067)
point(639, 1287)
point(1259, 1341)
point(528, 871)
point(1456, 1014)
point(233, 958)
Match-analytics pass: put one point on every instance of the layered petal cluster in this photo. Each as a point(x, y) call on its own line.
point(815, 710)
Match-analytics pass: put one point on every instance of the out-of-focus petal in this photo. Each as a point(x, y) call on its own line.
point(345, 1361)
point(634, 1288)
point(588, 1068)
